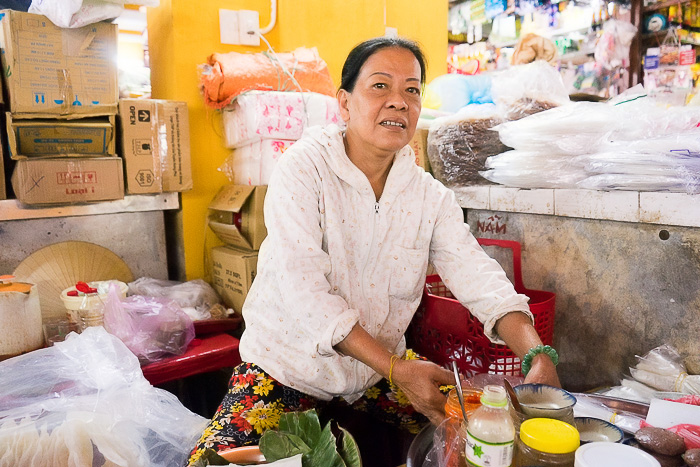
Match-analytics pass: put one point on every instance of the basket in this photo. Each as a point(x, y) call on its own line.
point(444, 331)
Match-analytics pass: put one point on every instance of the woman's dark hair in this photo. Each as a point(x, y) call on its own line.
point(361, 52)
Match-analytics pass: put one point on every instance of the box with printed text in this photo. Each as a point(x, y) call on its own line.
point(55, 72)
point(233, 271)
point(68, 181)
point(155, 145)
point(82, 137)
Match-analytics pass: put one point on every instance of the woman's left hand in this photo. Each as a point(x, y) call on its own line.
point(543, 371)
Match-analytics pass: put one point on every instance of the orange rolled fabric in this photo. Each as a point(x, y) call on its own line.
point(227, 75)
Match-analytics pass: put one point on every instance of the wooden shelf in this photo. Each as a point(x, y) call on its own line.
point(661, 5)
point(11, 209)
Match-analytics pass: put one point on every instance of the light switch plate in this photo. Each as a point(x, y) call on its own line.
point(249, 27)
point(228, 27)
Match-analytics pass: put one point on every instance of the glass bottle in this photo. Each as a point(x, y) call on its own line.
point(490, 431)
point(547, 443)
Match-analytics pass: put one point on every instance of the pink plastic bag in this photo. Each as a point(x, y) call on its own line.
point(152, 328)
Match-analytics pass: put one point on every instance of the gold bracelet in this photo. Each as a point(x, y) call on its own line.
point(394, 358)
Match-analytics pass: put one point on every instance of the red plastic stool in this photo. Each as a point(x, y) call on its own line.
point(214, 352)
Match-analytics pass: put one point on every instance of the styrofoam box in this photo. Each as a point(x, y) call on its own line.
point(253, 163)
point(258, 115)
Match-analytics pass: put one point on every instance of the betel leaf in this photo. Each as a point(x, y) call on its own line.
point(276, 445)
point(324, 453)
point(349, 451)
point(303, 424)
point(210, 457)
point(299, 429)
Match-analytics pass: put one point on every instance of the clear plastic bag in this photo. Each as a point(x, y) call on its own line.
point(152, 328)
point(523, 90)
point(196, 297)
point(458, 145)
point(85, 402)
point(79, 13)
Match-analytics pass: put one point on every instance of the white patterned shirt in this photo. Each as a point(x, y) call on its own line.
point(334, 256)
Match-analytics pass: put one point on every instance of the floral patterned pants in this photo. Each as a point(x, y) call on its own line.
point(254, 402)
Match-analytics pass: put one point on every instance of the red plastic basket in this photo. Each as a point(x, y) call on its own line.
point(444, 331)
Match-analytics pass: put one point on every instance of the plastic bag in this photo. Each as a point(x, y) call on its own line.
point(79, 13)
point(152, 328)
point(196, 297)
point(523, 90)
point(448, 444)
point(458, 145)
point(85, 402)
point(225, 76)
point(613, 47)
point(587, 406)
point(451, 92)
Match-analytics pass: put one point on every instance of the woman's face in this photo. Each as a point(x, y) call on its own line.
point(382, 111)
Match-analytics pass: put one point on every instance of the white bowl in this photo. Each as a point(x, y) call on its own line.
point(595, 429)
point(542, 401)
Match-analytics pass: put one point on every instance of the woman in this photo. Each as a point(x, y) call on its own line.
point(352, 225)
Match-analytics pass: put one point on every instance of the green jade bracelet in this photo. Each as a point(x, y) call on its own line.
point(545, 349)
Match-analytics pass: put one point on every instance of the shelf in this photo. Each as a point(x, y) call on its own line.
point(12, 210)
point(623, 206)
point(661, 5)
point(659, 36)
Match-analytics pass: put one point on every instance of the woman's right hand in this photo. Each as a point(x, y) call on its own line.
point(420, 381)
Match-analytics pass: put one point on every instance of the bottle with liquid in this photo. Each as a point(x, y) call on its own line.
point(490, 431)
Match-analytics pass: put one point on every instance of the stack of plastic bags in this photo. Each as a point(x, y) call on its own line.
point(85, 402)
point(661, 370)
point(626, 144)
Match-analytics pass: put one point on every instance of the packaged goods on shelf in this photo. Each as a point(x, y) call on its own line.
point(226, 76)
point(259, 115)
point(458, 145)
point(155, 145)
point(60, 138)
point(68, 181)
point(233, 271)
point(236, 216)
point(253, 163)
point(625, 145)
point(51, 72)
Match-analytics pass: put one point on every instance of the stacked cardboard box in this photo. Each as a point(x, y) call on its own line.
point(61, 90)
point(155, 145)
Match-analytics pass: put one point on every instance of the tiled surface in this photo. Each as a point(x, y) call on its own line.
point(590, 204)
point(517, 200)
point(624, 206)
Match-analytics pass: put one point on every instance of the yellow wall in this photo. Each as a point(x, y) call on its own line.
point(183, 33)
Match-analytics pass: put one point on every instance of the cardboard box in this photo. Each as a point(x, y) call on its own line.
point(60, 138)
point(3, 189)
point(236, 215)
point(419, 143)
point(155, 145)
point(50, 71)
point(233, 271)
point(68, 181)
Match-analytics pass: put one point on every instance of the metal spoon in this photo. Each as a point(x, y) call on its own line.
point(460, 396)
point(513, 397)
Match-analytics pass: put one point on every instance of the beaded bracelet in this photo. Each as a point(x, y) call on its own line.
point(545, 349)
point(394, 358)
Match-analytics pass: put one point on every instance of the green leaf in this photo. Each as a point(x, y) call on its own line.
point(276, 445)
point(303, 424)
point(210, 457)
point(324, 453)
point(350, 452)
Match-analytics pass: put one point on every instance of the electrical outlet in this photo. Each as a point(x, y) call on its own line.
point(249, 27)
point(228, 27)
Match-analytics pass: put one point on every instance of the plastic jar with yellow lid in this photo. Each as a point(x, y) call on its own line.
point(546, 442)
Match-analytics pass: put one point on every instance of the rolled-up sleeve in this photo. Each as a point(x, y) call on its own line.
point(293, 220)
point(474, 278)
